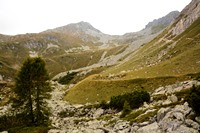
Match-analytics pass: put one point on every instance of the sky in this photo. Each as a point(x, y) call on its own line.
point(114, 17)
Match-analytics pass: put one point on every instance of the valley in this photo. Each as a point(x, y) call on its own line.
point(87, 68)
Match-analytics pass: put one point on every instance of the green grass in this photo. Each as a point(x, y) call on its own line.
point(144, 117)
point(29, 130)
point(90, 90)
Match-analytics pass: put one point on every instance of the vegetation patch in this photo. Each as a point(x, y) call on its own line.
point(91, 91)
point(194, 99)
point(67, 78)
point(129, 100)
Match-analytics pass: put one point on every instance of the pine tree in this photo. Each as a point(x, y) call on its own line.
point(32, 90)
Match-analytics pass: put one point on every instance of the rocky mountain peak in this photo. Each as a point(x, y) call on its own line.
point(76, 28)
point(188, 15)
point(164, 21)
point(85, 26)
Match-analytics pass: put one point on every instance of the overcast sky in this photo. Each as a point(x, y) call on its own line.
point(114, 17)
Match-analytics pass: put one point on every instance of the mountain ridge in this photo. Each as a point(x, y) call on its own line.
point(63, 45)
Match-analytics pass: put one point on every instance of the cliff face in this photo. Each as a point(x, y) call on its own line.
point(187, 17)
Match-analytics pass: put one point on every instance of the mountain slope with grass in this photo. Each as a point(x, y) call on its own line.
point(170, 55)
point(71, 47)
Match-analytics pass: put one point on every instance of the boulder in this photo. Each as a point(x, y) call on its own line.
point(98, 113)
point(169, 124)
point(197, 119)
point(121, 126)
point(166, 102)
point(159, 91)
point(173, 98)
point(152, 128)
point(191, 123)
point(184, 129)
point(161, 113)
point(179, 116)
point(134, 129)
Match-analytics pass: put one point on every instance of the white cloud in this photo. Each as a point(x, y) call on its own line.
point(109, 16)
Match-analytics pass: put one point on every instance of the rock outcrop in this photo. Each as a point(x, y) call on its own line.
point(187, 17)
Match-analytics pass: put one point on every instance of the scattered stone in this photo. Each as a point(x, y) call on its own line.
point(173, 98)
point(162, 112)
point(197, 119)
point(98, 113)
point(191, 123)
point(152, 128)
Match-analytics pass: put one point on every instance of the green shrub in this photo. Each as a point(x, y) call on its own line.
point(135, 99)
point(126, 109)
point(194, 99)
point(67, 78)
point(104, 105)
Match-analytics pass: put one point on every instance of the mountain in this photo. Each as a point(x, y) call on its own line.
point(174, 53)
point(85, 31)
point(63, 48)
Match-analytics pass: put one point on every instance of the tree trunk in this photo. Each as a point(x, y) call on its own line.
point(31, 108)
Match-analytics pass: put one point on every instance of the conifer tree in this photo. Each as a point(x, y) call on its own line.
point(32, 90)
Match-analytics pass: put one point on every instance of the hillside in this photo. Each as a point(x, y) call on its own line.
point(71, 47)
point(170, 54)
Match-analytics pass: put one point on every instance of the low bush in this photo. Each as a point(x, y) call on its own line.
point(67, 78)
point(194, 99)
point(126, 109)
point(104, 105)
point(134, 99)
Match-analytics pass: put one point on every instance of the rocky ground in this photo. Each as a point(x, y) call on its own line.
point(166, 113)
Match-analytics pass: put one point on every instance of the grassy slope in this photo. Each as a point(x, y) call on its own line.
point(181, 59)
point(90, 90)
point(15, 49)
point(174, 62)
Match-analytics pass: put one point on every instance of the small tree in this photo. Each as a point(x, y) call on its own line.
point(32, 90)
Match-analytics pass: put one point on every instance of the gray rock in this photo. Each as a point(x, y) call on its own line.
point(143, 124)
point(197, 119)
point(173, 98)
point(184, 129)
point(161, 113)
point(152, 128)
point(98, 113)
point(121, 125)
point(166, 102)
point(134, 129)
point(159, 91)
point(169, 124)
point(179, 116)
point(191, 123)
point(189, 15)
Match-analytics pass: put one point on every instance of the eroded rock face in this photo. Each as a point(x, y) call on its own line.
point(187, 17)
